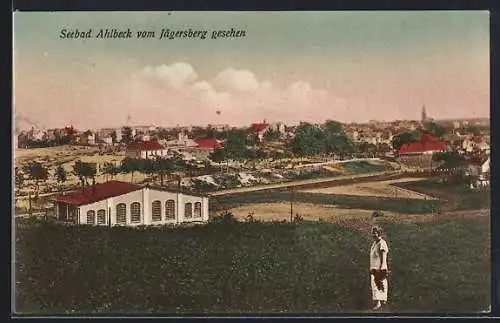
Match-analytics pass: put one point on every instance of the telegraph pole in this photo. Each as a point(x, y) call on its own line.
point(291, 204)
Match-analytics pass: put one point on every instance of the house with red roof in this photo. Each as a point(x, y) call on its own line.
point(145, 149)
point(204, 147)
point(259, 129)
point(127, 204)
point(428, 144)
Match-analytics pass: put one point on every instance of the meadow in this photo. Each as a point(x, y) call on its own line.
point(230, 267)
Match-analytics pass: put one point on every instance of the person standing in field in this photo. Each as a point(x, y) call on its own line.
point(378, 268)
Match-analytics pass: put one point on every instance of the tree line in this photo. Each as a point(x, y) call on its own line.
point(86, 172)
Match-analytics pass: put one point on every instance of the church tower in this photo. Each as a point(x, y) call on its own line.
point(424, 115)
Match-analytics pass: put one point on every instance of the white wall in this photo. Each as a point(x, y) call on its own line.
point(145, 197)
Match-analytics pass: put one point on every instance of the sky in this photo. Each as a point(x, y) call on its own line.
point(289, 67)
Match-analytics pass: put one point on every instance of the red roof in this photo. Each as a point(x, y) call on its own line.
point(477, 139)
point(208, 143)
point(429, 142)
point(98, 192)
point(259, 127)
point(146, 145)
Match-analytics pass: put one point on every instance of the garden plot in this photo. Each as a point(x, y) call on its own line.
point(378, 189)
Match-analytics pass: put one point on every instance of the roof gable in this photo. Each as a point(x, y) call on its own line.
point(146, 145)
point(208, 143)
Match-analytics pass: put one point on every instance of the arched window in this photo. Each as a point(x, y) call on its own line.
point(135, 212)
point(101, 217)
point(156, 211)
point(170, 210)
point(121, 213)
point(188, 210)
point(197, 210)
point(91, 217)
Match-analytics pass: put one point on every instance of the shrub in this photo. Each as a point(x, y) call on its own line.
point(223, 218)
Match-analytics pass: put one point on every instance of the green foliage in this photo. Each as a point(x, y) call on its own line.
point(317, 173)
point(438, 130)
point(456, 192)
point(61, 174)
point(127, 137)
point(364, 166)
point(36, 172)
point(224, 218)
point(312, 140)
point(449, 159)
point(218, 155)
point(271, 135)
point(403, 138)
point(84, 171)
point(257, 267)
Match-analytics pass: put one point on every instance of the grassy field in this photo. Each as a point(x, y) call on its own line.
point(273, 267)
point(410, 206)
point(364, 166)
point(377, 188)
point(457, 194)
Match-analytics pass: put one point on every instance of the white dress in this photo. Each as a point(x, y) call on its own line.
point(375, 261)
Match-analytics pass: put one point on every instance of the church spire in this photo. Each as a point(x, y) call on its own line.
point(424, 114)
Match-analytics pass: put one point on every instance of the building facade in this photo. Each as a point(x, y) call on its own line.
point(126, 204)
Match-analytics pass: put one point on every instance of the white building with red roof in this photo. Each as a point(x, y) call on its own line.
point(127, 204)
point(260, 129)
point(145, 150)
point(428, 144)
point(204, 147)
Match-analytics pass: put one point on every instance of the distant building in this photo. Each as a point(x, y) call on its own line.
point(127, 204)
point(87, 138)
point(145, 150)
point(259, 129)
point(475, 142)
point(428, 144)
point(182, 141)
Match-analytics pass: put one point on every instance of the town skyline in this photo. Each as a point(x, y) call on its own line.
point(345, 66)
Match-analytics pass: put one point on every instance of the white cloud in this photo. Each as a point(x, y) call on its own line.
point(237, 80)
point(175, 75)
point(174, 95)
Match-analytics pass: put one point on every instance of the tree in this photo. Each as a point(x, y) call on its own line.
point(403, 138)
point(61, 175)
point(110, 169)
point(436, 128)
point(163, 166)
point(127, 136)
point(236, 143)
point(333, 127)
point(84, 171)
point(37, 172)
point(309, 140)
point(130, 165)
point(218, 155)
point(114, 136)
point(271, 135)
point(451, 159)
